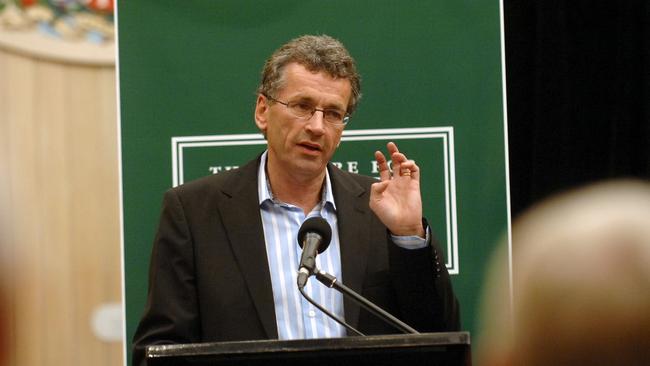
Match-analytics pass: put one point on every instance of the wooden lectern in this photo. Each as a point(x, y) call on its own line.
point(449, 349)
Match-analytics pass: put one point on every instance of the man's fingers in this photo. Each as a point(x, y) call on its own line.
point(382, 165)
point(409, 169)
point(400, 165)
point(392, 148)
point(378, 188)
point(395, 156)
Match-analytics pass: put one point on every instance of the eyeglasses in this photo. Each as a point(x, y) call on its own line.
point(305, 110)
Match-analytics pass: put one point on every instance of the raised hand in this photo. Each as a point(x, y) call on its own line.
point(396, 198)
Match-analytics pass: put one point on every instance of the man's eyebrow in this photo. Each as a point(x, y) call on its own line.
point(304, 98)
point(336, 106)
point(309, 99)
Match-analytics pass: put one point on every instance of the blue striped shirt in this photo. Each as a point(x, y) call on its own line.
point(295, 317)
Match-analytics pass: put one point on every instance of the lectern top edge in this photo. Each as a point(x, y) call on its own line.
point(310, 345)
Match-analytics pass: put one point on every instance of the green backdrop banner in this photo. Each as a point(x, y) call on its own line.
point(432, 82)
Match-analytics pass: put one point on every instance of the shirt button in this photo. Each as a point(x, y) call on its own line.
point(311, 313)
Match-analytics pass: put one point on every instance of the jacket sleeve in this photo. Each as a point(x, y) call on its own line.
point(171, 276)
point(423, 288)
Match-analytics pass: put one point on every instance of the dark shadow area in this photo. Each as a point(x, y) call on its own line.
point(578, 78)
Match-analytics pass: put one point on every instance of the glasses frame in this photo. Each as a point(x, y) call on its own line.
point(346, 117)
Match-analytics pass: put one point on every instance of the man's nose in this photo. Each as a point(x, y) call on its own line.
point(316, 122)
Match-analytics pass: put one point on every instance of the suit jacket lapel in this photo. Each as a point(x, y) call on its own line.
point(241, 218)
point(240, 215)
point(353, 219)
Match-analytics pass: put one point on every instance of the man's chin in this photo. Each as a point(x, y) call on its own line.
point(309, 167)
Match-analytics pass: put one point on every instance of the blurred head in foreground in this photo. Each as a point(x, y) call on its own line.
point(581, 282)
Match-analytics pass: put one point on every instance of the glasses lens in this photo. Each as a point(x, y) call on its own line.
point(301, 109)
point(306, 110)
point(333, 116)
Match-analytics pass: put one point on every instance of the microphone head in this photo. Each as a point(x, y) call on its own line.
point(317, 225)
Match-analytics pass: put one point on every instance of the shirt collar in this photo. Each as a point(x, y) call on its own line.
point(264, 187)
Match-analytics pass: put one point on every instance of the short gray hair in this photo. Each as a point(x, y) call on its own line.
point(316, 53)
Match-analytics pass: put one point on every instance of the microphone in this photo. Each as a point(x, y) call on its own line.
point(313, 237)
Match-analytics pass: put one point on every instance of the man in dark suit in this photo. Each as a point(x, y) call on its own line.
point(224, 261)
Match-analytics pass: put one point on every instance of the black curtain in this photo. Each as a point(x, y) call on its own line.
point(578, 88)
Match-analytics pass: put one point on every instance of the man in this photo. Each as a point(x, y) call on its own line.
point(225, 257)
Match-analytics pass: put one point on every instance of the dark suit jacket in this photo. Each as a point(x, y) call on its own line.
point(209, 277)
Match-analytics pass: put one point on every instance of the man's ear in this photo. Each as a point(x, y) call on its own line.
point(261, 113)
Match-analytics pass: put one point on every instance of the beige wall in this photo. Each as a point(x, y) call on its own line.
point(59, 167)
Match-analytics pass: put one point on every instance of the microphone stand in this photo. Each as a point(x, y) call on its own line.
point(328, 313)
point(331, 282)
